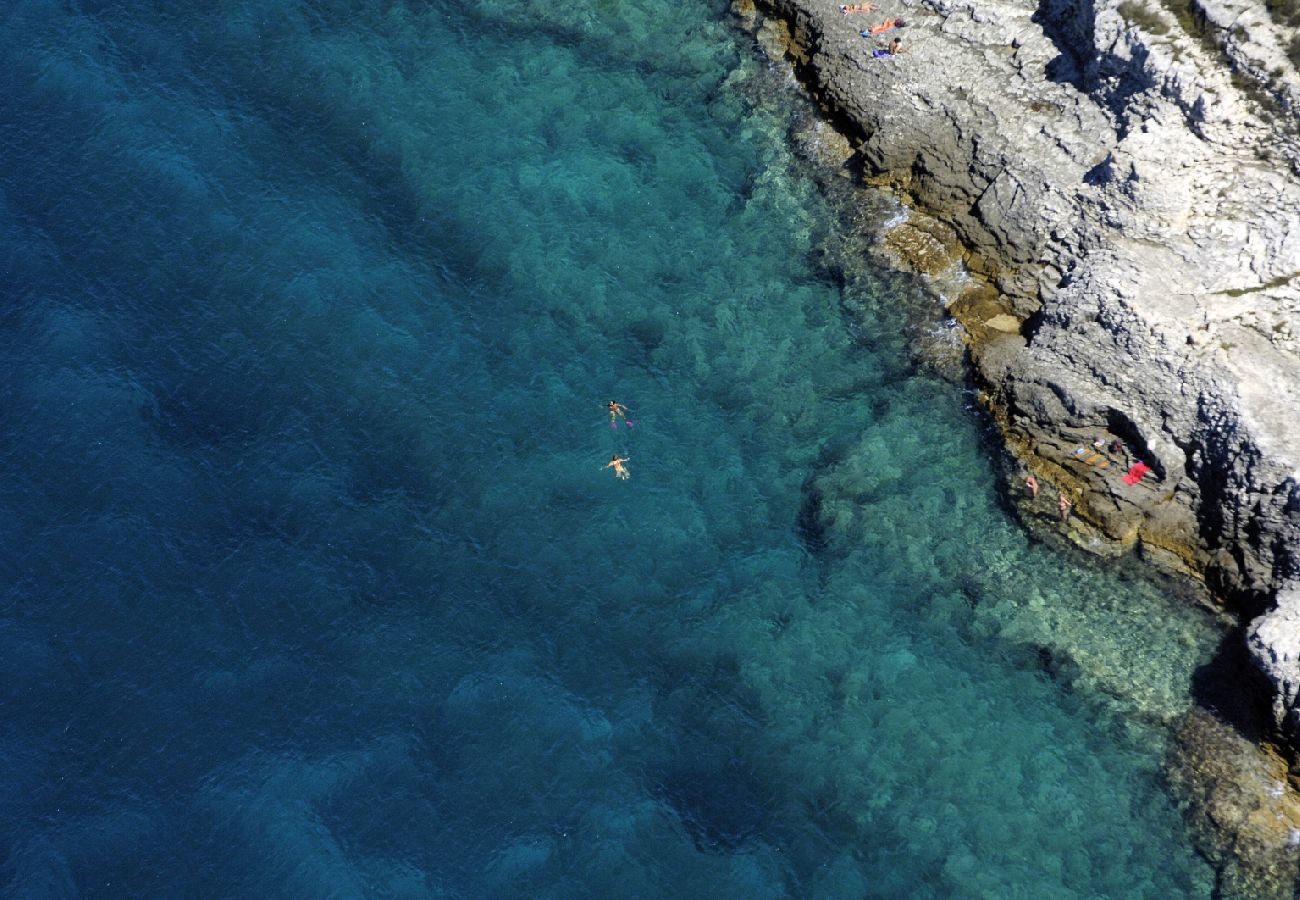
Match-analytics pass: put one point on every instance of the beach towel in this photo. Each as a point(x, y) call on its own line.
point(1092, 458)
point(1135, 472)
point(880, 54)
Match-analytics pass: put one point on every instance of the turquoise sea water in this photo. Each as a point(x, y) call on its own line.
point(313, 585)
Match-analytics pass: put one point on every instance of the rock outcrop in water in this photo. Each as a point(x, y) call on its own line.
point(1124, 180)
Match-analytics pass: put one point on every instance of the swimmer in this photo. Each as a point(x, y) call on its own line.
point(616, 463)
point(615, 410)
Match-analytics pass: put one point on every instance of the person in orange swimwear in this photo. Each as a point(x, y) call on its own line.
point(886, 25)
point(616, 463)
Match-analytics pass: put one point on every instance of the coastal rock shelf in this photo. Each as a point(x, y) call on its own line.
point(1122, 179)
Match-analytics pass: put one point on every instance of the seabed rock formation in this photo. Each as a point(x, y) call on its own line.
point(1121, 179)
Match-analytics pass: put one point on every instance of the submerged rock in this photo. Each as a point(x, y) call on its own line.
point(1242, 809)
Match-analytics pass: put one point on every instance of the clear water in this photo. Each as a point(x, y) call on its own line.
point(314, 585)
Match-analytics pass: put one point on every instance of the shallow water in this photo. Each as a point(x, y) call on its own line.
point(315, 585)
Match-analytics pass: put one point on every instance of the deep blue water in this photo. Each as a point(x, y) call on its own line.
point(313, 585)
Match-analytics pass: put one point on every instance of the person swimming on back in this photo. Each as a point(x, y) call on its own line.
point(616, 463)
point(617, 409)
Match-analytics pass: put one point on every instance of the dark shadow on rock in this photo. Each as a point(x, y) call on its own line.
point(1229, 575)
point(1136, 448)
point(1235, 691)
point(1124, 79)
point(1032, 325)
point(1112, 79)
point(1102, 173)
point(1069, 24)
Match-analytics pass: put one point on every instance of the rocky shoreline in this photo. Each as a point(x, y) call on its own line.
point(1117, 184)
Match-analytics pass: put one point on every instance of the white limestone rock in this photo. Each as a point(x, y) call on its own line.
point(1274, 642)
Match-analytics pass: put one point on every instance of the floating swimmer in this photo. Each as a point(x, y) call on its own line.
point(616, 463)
point(617, 410)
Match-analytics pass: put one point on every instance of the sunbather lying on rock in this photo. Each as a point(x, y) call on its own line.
point(887, 25)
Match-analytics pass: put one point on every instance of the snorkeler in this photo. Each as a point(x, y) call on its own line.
point(617, 409)
point(616, 462)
